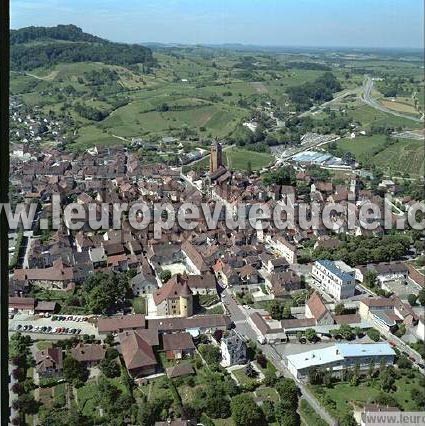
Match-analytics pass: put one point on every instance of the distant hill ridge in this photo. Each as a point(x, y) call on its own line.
point(33, 47)
point(60, 32)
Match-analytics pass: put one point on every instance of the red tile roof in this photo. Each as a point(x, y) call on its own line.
point(179, 370)
point(88, 352)
point(58, 272)
point(317, 308)
point(123, 322)
point(175, 287)
point(177, 341)
point(137, 353)
point(21, 302)
point(50, 358)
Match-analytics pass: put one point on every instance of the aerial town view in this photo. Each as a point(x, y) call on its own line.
point(216, 213)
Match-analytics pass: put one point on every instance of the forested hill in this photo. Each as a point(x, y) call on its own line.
point(32, 47)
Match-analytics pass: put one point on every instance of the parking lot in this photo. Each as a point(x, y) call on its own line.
point(53, 326)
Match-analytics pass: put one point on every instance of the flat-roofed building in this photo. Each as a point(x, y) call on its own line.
point(341, 355)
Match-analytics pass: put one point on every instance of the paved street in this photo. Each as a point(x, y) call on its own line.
point(368, 99)
point(240, 318)
point(402, 346)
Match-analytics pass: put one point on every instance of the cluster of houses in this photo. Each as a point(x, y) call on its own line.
point(29, 126)
point(236, 257)
point(385, 313)
point(139, 341)
point(246, 259)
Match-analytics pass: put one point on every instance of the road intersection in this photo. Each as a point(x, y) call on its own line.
point(240, 317)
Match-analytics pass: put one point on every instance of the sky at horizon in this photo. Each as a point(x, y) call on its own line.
point(327, 23)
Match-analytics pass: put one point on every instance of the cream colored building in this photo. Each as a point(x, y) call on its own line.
point(174, 298)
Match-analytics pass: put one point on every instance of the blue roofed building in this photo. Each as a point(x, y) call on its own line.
point(340, 356)
point(336, 278)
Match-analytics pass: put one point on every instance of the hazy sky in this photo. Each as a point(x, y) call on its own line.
point(362, 23)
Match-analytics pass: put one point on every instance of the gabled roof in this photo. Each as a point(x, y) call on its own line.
point(194, 256)
point(46, 306)
point(317, 308)
point(21, 302)
point(179, 370)
point(137, 353)
point(115, 323)
point(247, 271)
point(201, 281)
point(197, 321)
point(378, 302)
point(260, 323)
point(176, 286)
point(297, 323)
point(88, 352)
point(347, 319)
point(50, 358)
point(58, 272)
point(177, 341)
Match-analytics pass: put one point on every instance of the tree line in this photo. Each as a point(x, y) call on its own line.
point(319, 90)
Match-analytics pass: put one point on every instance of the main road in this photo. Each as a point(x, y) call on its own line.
point(368, 99)
point(241, 320)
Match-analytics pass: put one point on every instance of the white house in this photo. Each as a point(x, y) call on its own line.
point(420, 330)
point(385, 271)
point(233, 350)
point(336, 278)
point(143, 283)
point(283, 247)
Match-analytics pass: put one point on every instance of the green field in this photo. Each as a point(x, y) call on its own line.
point(238, 159)
point(267, 394)
point(405, 156)
point(218, 121)
point(362, 146)
point(200, 94)
point(366, 116)
point(91, 136)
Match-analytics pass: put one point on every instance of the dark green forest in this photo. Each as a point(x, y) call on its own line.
point(34, 47)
